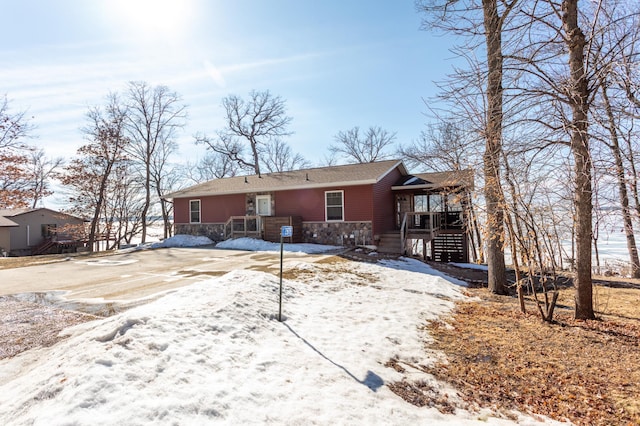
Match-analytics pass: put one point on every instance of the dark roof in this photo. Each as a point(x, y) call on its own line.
point(437, 180)
point(321, 177)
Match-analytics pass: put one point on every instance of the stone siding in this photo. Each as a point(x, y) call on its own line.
point(215, 231)
point(348, 234)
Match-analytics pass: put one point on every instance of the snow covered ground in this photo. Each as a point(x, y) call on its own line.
point(214, 352)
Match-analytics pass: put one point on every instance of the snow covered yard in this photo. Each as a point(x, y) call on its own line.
point(214, 351)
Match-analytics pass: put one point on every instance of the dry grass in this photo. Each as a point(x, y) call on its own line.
point(27, 325)
point(583, 371)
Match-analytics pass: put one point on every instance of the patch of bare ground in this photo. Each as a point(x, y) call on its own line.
point(585, 372)
point(28, 325)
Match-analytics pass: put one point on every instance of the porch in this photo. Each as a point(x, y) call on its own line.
point(429, 222)
point(262, 227)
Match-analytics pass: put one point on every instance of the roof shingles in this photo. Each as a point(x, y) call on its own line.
point(347, 175)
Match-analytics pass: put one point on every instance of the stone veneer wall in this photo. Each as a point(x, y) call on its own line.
point(347, 234)
point(215, 231)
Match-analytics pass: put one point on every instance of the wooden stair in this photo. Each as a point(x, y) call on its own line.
point(43, 247)
point(450, 247)
point(391, 243)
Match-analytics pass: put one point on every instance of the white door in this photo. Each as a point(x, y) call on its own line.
point(263, 205)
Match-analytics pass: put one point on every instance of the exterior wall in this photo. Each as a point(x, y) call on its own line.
point(213, 209)
point(347, 234)
point(29, 233)
point(368, 210)
point(5, 240)
point(215, 231)
point(310, 205)
point(384, 219)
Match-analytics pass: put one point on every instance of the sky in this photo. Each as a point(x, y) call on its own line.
point(336, 64)
point(214, 352)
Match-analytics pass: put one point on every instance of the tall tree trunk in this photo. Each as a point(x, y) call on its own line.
point(147, 195)
point(493, 190)
point(475, 229)
point(578, 99)
point(622, 184)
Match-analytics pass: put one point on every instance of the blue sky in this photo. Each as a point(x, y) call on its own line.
point(337, 64)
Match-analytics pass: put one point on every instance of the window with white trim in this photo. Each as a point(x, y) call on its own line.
point(194, 211)
point(263, 205)
point(334, 205)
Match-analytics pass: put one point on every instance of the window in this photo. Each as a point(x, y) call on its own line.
point(334, 202)
point(435, 203)
point(49, 230)
point(194, 211)
point(420, 203)
point(263, 203)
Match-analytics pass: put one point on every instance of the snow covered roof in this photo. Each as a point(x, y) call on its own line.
point(345, 175)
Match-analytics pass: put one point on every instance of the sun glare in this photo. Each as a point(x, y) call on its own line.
point(149, 20)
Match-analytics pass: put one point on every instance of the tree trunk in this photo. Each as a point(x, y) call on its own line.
point(634, 176)
point(581, 152)
point(622, 184)
point(475, 229)
point(493, 191)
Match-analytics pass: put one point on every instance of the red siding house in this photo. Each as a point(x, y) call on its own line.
point(348, 205)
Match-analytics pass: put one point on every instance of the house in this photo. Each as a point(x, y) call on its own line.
point(39, 231)
point(377, 203)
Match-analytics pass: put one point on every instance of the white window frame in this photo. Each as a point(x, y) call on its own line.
point(326, 206)
point(263, 197)
point(199, 211)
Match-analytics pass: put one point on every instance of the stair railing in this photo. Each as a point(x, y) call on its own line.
point(403, 233)
point(242, 226)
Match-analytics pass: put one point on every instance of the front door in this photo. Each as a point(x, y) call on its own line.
point(263, 203)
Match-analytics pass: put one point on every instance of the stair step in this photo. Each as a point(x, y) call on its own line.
point(390, 243)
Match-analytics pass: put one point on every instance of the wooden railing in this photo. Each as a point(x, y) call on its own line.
point(242, 226)
point(419, 225)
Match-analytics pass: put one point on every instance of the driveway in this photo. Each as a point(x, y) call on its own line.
point(137, 274)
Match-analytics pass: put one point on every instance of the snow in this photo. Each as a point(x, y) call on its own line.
point(471, 266)
point(214, 352)
point(261, 245)
point(183, 241)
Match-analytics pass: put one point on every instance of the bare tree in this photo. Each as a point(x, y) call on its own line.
point(278, 156)
point(42, 169)
point(492, 27)
point(88, 176)
point(212, 166)
point(579, 102)
point(14, 128)
point(363, 147)
point(14, 157)
point(154, 116)
point(256, 122)
point(614, 42)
